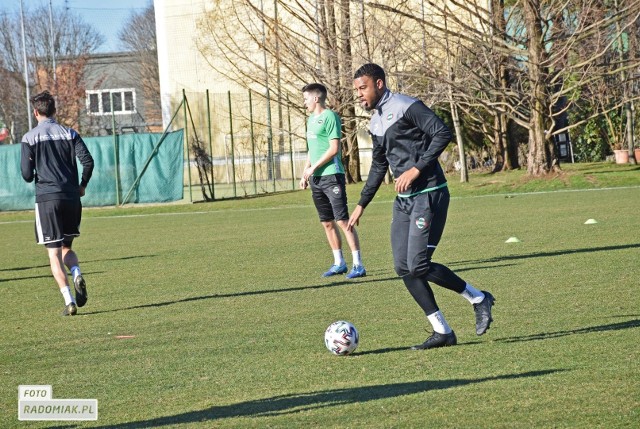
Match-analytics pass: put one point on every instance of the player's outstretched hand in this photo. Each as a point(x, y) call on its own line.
point(354, 220)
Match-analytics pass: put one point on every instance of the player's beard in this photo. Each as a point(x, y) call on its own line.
point(374, 103)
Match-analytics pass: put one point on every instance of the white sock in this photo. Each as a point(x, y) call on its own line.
point(75, 271)
point(66, 294)
point(338, 259)
point(438, 322)
point(357, 260)
point(473, 295)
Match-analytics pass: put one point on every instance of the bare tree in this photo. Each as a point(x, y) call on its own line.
point(626, 84)
point(69, 87)
point(283, 45)
point(138, 35)
point(523, 64)
point(524, 73)
point(71, 39)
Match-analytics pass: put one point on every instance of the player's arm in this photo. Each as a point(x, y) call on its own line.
point(304, 182)
point(433, 127)
point(326, 157)
point(83, 154)
point(379, 167)
point(27, 163)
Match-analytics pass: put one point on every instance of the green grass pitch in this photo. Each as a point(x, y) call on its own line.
point(227, 310)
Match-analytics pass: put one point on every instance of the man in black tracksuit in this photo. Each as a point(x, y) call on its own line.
point(409, 138)
point(49, 153)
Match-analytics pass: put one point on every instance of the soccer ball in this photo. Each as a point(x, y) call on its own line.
point(341, 338)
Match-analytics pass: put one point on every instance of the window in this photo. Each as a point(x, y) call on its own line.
point(94, 103)
point(106, 102)
point(100, 102)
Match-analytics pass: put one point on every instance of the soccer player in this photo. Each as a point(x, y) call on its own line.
point(409, 138)
point(49, 153)
point(324, 173)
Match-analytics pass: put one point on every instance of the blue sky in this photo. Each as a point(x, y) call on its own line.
point(106, 16)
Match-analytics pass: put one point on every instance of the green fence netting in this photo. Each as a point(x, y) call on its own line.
point(149, 169)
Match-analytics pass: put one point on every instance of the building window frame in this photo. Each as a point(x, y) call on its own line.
point(98, 101)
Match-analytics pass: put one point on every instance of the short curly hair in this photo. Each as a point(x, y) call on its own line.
point(374, 71)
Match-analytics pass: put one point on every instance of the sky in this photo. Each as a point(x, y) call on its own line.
point(106, 16)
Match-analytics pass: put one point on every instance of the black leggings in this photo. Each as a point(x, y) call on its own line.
point(417, 226)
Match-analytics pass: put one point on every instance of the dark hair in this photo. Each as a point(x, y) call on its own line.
point(44, 103)
point(319, 89)
point(374, 71)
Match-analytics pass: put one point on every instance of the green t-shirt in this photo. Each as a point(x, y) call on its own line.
point(321, 129)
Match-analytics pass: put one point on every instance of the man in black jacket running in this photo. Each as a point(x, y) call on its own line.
point(49, 153)
point(409, 138)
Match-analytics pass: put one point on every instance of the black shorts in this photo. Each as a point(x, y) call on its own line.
point(58, 222)
point(330, 197)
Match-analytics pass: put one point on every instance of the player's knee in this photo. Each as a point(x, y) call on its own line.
point(328, 224)
point(401, 269)
point(418, 269)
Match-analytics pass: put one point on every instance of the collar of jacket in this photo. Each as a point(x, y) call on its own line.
point(383, 100)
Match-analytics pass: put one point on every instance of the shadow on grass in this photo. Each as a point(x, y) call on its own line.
point(25, 268)
point(483, 267)
point(547, 335)
point(407, 349)
point(241, 294)
point(45, 276)
point(82, 262)
point(122, 258)
point(380, 351)
point(295, 403)
point(547, 254)
point(48, 275)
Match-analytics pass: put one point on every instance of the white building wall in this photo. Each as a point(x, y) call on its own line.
point(181, 64)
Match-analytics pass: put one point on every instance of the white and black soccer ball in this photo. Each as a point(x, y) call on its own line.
point(341, 338)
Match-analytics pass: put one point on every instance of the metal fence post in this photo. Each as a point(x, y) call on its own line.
point(270, 159)
point(213, 182)
point(233, 162)
point(293, 178)
point(116, 157)
point(253, 147)
point(186, 139)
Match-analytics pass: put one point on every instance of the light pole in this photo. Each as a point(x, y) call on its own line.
point(26, 74)
point(53, 52)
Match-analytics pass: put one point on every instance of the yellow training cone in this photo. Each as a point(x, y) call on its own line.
point(590, 221)
point(513, 240)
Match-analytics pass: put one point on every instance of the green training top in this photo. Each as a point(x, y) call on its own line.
point(321, 129)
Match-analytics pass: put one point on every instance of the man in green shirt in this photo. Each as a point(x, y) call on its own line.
point(324, 173)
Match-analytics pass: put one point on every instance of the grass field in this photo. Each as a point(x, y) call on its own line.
point(227, 311)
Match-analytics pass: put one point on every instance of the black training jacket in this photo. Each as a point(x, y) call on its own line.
point(49, 154)
point(405, 134)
